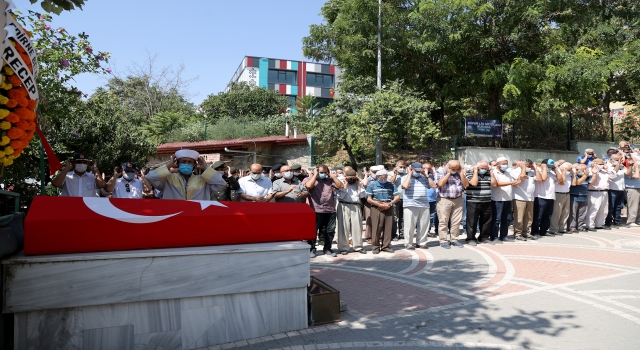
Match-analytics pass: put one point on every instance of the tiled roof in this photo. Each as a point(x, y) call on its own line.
point(221, 144)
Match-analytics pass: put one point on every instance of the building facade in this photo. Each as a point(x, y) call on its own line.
point(291, 78)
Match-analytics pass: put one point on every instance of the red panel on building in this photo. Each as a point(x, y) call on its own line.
point(249, 61)
point(56, 225)
point(283, 64)
point(282, 89)
point(332, 69)
point(301, 87)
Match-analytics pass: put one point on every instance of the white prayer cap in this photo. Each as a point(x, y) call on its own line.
point(377, 167)
point(187, 153)
point(500, 159)
point(383, 172)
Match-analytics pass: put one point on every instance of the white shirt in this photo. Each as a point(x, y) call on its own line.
point(524, 190)
point(546, 189)
point(502, 193)
point(602, 182)
point(618, 183)
point(351, 193)
point(75, 185)
point(120, 189)
point(260, 188)
point(567, 183)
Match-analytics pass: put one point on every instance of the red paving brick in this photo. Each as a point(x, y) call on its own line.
point(595, 255)
point(507, 289)
point(422, 258)
point(376, 296)
point(555, 272)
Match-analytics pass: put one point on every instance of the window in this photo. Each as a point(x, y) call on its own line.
point(292, 100)
point(319, 80)
point(322, 102)
point(283, 77)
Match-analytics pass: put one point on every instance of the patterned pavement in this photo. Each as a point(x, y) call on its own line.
point(577, 291)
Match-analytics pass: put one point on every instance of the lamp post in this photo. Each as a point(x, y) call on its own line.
point(379, 75)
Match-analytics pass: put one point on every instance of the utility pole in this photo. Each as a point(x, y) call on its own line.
point(379, 78)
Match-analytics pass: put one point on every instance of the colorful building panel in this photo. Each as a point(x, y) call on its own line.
point(290, 78)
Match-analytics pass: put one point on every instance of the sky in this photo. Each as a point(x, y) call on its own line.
point(209, 37)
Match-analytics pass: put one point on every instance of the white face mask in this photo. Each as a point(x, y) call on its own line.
point(256, 177)
point(278, 175)
point(340, 177)
point(287, 175)
point(81, 168)
point(401, 171)
point(296, 173)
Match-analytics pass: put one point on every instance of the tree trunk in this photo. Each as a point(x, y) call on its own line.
point(495, 111)
point(352, 157)
point(606, 110)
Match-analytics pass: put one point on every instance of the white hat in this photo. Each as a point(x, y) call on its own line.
point(383, 172)
point(377, 168)
point(187, 153)
point(501, 159)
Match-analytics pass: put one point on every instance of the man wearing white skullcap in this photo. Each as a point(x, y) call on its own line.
point(382, 195)
point(368, 178)
point(184, 184)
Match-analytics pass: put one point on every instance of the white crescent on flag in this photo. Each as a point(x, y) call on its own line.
point(104, 207)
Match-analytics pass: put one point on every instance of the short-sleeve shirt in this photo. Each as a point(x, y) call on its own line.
point(502, 193)
point(351, 193)
point(617, 184)
point(383, 192)
point(525, 189)
point(250, 187)
point(581, 157)
point(134, 186)
point(546, 189)
point(453, 188)
point(630, 182)
point(75, 185)
point(291, 197)
point(567, 183)
point(322, 198)
point(416, 194)
point(482, 192)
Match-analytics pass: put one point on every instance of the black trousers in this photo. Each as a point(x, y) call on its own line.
point(478, 213)
point(398, 219)
point(326, 221)
point(542, 211)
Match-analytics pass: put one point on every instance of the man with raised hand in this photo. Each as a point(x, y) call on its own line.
point(451, 184)
point(545, 195)
point(414, 189)
point(562, 203)
point(523, 198)
point(632, 184)
point(598, 189)
point(321, 186)
point(616, 190)
point(184, 184)
point(349, 215)
point(479, 204)
point(76, 181)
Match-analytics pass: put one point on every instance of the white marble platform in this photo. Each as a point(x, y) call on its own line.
point(183, 298)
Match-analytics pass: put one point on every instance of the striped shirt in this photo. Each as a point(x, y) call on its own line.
point(383, 192)
point(416, 194)
point(482, 192)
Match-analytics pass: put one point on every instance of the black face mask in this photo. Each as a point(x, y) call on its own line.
point(351, 181)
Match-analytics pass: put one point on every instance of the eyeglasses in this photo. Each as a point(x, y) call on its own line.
point(127, 187)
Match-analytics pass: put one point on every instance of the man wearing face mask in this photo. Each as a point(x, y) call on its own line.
point(255, 187)
point(501, 200)
point(586, 158)
point(616, 192)
point(545, 195)
point(382, 195)
point(399, 174)
point(224, 194)
point(321, 186)
point(125, 185)
point(479, 204)
point(523, 198)
point(348, 213)
point(598, 189)
point(416, 205)
point(289, 189)
point(78, 183)
point(562, 204)
point(579, 198)
point(298, 172)
point(184, 184)
point(369, 177)
point(451, 185)
point(433, 198)
point(632, 183)
point(277, 174)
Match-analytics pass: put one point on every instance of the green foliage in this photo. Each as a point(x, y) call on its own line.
point(57, 6)
point(244, 102)
point(161, 126)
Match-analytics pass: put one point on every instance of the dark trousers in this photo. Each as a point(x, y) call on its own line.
point(398, 219)
point(326, 221)
point(500, 212)
point(542, 211)
point(381, 222)
point(433, 216)
point(478, 213)
point(616, 202)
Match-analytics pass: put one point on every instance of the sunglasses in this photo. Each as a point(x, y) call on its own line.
point(127, 187)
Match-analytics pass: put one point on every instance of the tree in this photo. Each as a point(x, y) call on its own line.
point(57, 6)
point(244, 102)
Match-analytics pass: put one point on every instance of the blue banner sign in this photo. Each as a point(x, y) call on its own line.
point(482, 127)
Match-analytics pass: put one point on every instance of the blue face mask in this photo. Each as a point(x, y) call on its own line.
point(185, 169)
point(322, 176)
point(382, 181)
point(482, 171)
point(504, 167)
point(416, 174)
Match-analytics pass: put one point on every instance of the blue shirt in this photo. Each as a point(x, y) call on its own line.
point(579, 193)
point(416, 194)
point(630, 182)
point(431, 192)
point(382, 191)
point(581, 157)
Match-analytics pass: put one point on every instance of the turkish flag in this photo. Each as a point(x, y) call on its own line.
point(56, 225)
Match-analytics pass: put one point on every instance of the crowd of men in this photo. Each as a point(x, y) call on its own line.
point(541, 198)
